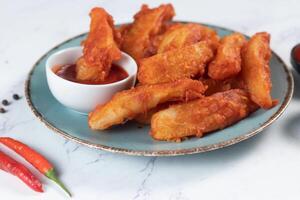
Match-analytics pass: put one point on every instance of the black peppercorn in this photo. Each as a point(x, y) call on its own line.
point(16, 97)
point(5, 102)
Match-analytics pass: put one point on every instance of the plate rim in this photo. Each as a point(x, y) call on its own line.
point(187, 151)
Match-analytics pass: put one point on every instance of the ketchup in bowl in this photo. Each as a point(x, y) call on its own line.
point(68, 72)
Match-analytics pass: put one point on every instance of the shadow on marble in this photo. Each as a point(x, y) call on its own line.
point(181, 170)
point(292, 127)
point(227, 154)
point(164, 173)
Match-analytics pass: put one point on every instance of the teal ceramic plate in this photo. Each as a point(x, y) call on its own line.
point(133, 139)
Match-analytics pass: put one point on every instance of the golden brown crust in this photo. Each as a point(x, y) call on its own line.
point(178, 35)
point(227, 62)
point(147, 24)
point(198, 117)
point(100, 48)
point(256, 70)
point(211, 36)
point(121, 31)
point(129, 103)
point(145, 118)
point(186, 62)
point(214, 86)
point(233, 75)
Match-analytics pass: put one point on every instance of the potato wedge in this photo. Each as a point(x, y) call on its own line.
point(256, 70)
point(186, 62)
point(195, 118)
point(227, 62)
point(127, 104)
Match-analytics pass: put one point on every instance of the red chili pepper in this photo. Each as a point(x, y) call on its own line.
point(13, 167)
point(36, 159)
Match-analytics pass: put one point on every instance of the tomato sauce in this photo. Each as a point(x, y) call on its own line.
point(68, 72)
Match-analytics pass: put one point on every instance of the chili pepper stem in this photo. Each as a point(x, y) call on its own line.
point(51, 175)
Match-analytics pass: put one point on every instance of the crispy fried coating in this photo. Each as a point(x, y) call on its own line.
point(147, 24)
point(214, 86)
point(256, 70)
point(186, 62)
point(121, 31)
point(227, 62)
point(195, 118)
point(88, 73)
point(178, 35)
point(211, 36)
point(127, 104)
point(100, 48)
point(145, 118)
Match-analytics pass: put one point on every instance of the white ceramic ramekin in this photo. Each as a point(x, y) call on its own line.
point(83, 97)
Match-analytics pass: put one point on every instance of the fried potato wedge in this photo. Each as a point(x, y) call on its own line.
point(145, 118)
point(227, 62)
point(177, 35)
point(211, 36)
point(127, 104)
point(180, 35)
point(214, 86)
point(198, 117)
point(100, 48)
point(186, 62)
point(256, 70)
point(147, 24)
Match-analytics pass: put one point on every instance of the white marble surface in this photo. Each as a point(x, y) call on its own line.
point(264, 167)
